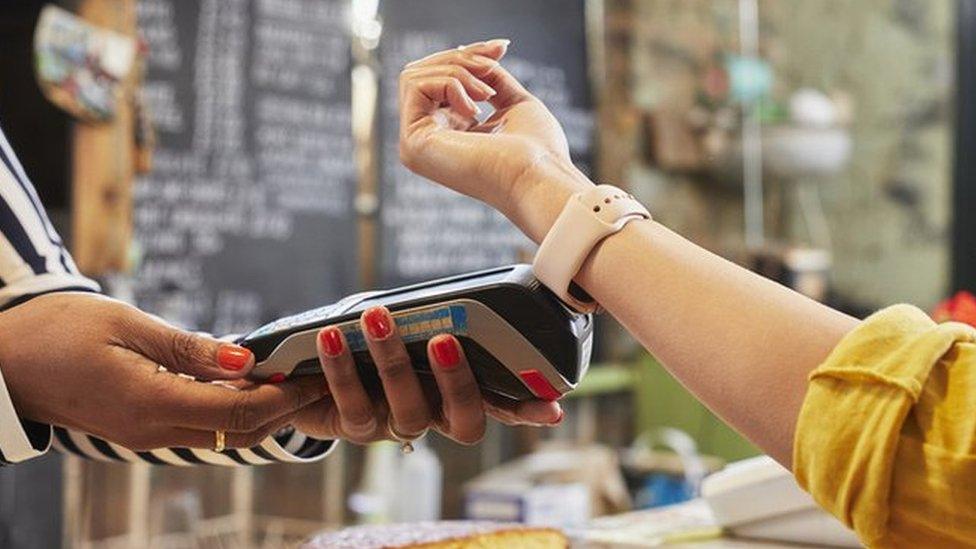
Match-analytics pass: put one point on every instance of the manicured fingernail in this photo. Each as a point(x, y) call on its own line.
point(446, 353)
point(503, 42)
point(233, 357)
point(559, 418)
point(331, 340)
point(487, 90)
point(378, 323)
point(276, 378)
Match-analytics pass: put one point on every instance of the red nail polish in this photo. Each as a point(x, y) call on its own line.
point(233, 357)
point(377, 323)
point(276, 378)
point(331, 341)
point(446, 353)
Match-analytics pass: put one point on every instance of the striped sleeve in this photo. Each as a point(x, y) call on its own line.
point(288, 446)
point(34, 261)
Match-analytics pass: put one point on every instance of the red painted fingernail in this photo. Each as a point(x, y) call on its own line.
point(377, 323)
point(331, 341)
point(233, 357)
point(446, 353)
point(276, 378)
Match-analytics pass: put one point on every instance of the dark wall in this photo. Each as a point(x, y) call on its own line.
point(37, 130)
point(964, 199)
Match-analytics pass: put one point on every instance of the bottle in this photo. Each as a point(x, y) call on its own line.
point(373, 502)
point(419, 485)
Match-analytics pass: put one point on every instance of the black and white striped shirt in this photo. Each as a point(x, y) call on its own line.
point(34, 261)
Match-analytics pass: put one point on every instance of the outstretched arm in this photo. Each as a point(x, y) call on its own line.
point(743, 344)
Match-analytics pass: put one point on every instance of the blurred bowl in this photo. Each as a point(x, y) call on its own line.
point(790, 151)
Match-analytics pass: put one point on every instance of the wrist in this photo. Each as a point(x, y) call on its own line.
point(542, 192)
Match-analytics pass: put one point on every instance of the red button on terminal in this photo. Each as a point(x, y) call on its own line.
point(539, 385)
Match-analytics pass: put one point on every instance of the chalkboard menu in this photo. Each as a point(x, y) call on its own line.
point(247, 213)
point(428, 231)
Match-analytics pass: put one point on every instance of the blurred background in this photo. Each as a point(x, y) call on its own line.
point(225, 162)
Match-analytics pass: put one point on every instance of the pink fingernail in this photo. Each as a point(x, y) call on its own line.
point(559, 419)
point(486, 89)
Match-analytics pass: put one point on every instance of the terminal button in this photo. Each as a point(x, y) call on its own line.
point(539, 385)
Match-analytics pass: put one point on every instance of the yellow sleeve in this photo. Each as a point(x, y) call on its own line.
point(886, 438)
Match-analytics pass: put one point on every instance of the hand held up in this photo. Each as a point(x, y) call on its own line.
point(517, 152)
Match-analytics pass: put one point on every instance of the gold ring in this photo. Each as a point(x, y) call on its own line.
point(406, 441)
point(220, 441)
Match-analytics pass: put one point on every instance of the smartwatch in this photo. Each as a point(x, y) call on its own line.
point(588, 218)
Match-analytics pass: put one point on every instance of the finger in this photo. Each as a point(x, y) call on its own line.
point(463, 407)
point(495, 48)
point(476, 89)
point(320, 420)
point(480, 53)
point(408, 407)
point(356, 414)
point(184, 352)
point(509, 91)
point(180, 402)
point(530, 412)
point(478, 65)
point(176, 437)
point(418, 98)
point(421, 97)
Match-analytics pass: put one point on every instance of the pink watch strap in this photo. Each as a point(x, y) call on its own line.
point(587, 218)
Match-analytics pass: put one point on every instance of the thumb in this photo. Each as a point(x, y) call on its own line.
point(189, 353)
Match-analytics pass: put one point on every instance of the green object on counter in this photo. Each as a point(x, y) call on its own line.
point(663, 402)
point(771, 112)
point(602, 379)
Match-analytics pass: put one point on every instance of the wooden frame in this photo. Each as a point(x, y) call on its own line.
point(104, 164)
